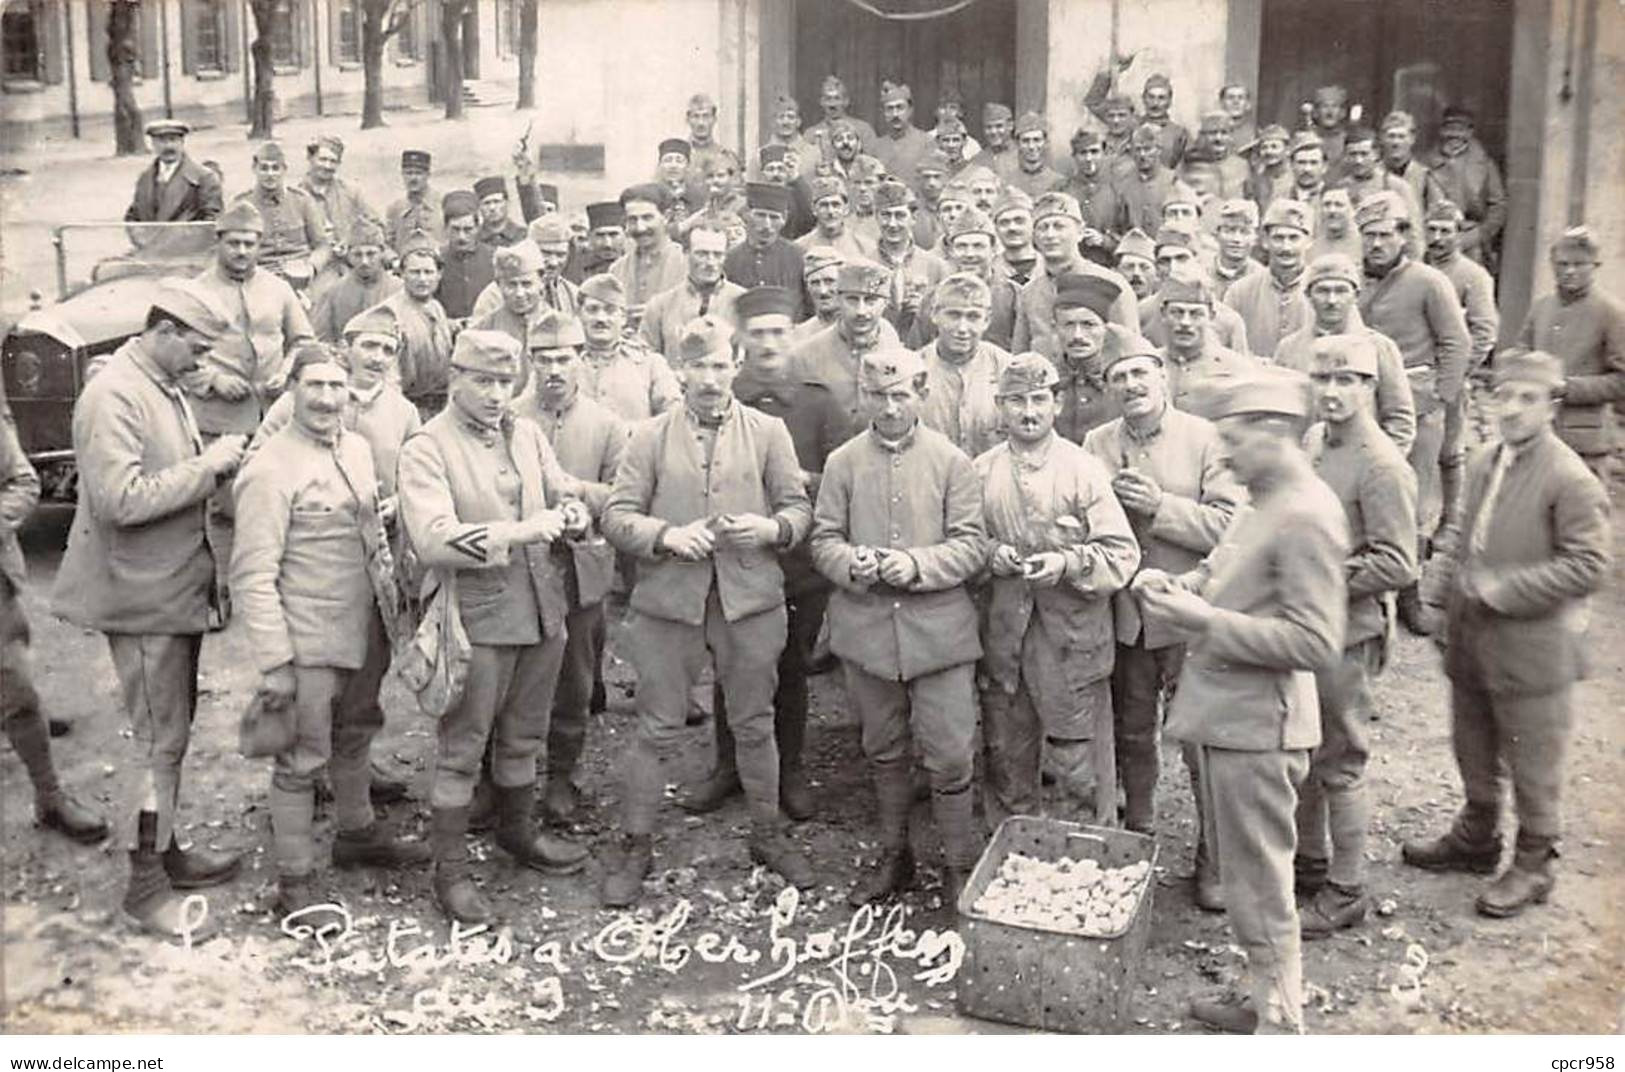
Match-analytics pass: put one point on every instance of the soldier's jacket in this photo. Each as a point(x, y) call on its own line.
point(1589, 336)
point(1195, 385)
point(310, 566)
point(1270, 311)
point(643, 275)
point(383, 420)
point(463, 277)
point(1475, 288)
point(1035, 312)
point(962, 402)
point(1082, 404)
point(671, 310)
point(459, 482)
point(1396, 406)
point(267, 320)
point(405, 217)
point(831, 360)
point(920, 495)
point(294, 224)
point(347, 297)
point(19, 493)
point(1022, 497)
point(1417, 307)
point(424, 365)
point(665, 481)
point(1276, 582)
point(631, 381)
point(1473, 181)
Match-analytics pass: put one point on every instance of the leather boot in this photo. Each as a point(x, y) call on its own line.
point(771, 847)
point(536, 849)
point(482, 810)
point(149, 900)
point(301, 893)
point(894, 871)
point(561, 801)
point(386, 790)
point(1207, 890)
point(1309, 874)
point(953, 885)
point(1470, 845)
point(453, 885)
point(598, 702)
point(1228, 1011)
point(1333, 909)
point(64, 814)
point(373, 847)
point(890, 875)
point(1529, 881)
point(795, 795)
point(196, 868)
point(54, 809)
point(722, 784)
point(1413, 613)
point(624, 883)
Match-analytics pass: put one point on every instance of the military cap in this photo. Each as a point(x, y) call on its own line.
point(817, 258)
point(308, 352)
point(548, 192)
point(548, 230)
point(483, 350)
point(518, 259)
point(1075, 290)
point(1380, 207)
point(652, 192)
point(1027, 372)
point(240, 216)
point(1340, 353)
point(895, 91)
point(1456, 116)
point(1445, 210)
point(1030, 121)
point(159, 128)
point(1579, 237)
point(956, 190)
point(1332, 266)
point(1398, 118)
point(366, 232)
point(1286, 212)
point(459, 203)
point(889, 367)
point(1304, 140)
point(420, 241)
point(325, 141)
point(765, 301)
point(710, 234)
point(841, 126)
point(702, 100)
point(1215, 120)
point(893, 194)
point(1186, 285)
point(270, 151)
point(832, 84)
point(768, 196)
point(704, 335)
point(1087, 138)
point(993, 112)
point(1274, 132)
point(379, 320)
point(1117, 102)
point(415, 160)
point(1159, 79)
point(950, 95)
point(605, 214)
point(934, 161)
point(772, 153)
point(1528, 366)
point(972, 221)
point(489, 186)
point(605, 288)
point(550, 329)
point(865, 166)
point(1180, 193)
point(863, 277)
point(191, 305)
point(1122, 344)
point(1056, 203)
point(1136, 243)
point(1331, 95)
point(827, 186)
point(1145, 134)
point(1013, 199)
point(1264, 390)
point(1239, 210)
point(678, 146)
point(786, 103)
point(972, 172)
point(963, 288)
point(1174, 236)
point(951, 125)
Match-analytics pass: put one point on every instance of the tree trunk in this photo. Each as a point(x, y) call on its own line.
point(263, 110)
point(123, 16)
point(374, 33)
point(451, 40)
point(527, 54)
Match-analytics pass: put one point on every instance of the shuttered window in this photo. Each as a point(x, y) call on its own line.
point(207, 40)
point(22, 41)
point(344, 30)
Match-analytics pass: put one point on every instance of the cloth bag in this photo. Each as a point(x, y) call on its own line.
point(433, 661)
point(266, 728)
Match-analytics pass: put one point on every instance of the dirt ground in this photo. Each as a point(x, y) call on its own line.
point(716, 946)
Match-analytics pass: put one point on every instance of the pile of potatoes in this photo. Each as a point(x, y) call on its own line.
point(1067, 895)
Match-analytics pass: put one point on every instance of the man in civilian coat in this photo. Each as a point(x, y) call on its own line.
point(1259, 616)
point(138, 568)
point(708, 495)
point(175, 188)
point(1535, 545)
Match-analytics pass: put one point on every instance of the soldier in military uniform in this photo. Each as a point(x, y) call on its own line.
point(621, 371)
point(297, 240)
point(1082, 303)
point(420, 209)
point(497, 228)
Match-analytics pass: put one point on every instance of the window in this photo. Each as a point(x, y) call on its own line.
point(346, 31)
point(285, 49)
point(408, 48)
point(208, 43)
point(20, 34)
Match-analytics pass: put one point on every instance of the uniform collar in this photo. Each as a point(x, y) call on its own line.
point(894, 446)
point(483, 432)
point(1154, 433)
point(1034, 457)
point(730, 408)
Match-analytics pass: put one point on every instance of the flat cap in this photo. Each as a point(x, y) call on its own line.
point(366, 232)
point(827, 186)
point(972, 221)
point(490, 185)
point(483, 350)
point(817, 258)
point(605, 214)
point(863, 277)
point(1240, 210)
point(772, 153)
point(1136, 243)
point(191, 305)
point(1030, 121)
point(550, 329)
point(704, 335)
point(1332, 266)
point(993, 112)
point(549, 230)
point(1056, 203)
point(1122, 344)
point(765, 301)
point(935, 161)
point(1381, 207)
point(605, 288)
point(769, 197)
point(270, 151)
point(521, 258)
point(676, 146)
point(888, 367)
point(379, 320)
point(1344, 353)
point(1528, 366)
point(1579, 237)
point(893, 194)
point(1026, 372)
point(1263, 390)
point(239, 216)
point(895, 91)
point(415, 160)
point(1286, 212)
point(1013, 199)
point(159, 128)
point(1076, 290)
point(459, 203)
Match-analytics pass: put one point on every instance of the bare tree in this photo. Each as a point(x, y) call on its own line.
point(527, 54)
point(451, 40)
point(380, 20)
point(262, 112)
point(123, 53)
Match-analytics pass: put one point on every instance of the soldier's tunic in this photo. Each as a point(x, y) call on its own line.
point(1588, 334)
point(423, 366)
point(1035, 313)
point(913, 270)
point(631, 381)
point(779, 264)
point(643, 275)
point(341, 205)
point(900, 153)
point(266, 321)
point(1196, 382)
point(1396, 406)
point(830, 357)
point(407, 215)
point(1103, 209)
point(849, 243)
point(382, 418)
point(671, 310)
point(1082, 404)
point(1224, 276)
point(963, 399)
point(1039, 180)
point(1143, 197)
point(504, 234)
point(294, 225)
point(1473, 181)
point(463, 276)
point(1270, 309)
point(347, 297)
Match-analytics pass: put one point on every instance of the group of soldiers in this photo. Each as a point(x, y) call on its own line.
point(1058, 464)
